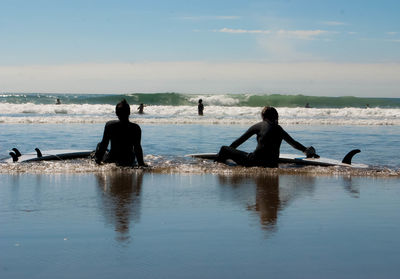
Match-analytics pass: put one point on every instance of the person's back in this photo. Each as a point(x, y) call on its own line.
point(125, 139)
point(123, 136)
point(269, 139)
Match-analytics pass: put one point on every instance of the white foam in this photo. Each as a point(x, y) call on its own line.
point(213, 114)
point(216, 100)
point(180, 165)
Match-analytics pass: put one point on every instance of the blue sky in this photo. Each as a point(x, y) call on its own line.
point(321, 48)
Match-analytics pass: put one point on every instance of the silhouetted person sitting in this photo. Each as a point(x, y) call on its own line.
point(125, 138)
point(269, 139)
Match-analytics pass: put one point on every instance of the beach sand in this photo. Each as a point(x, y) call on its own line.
point(148, 225)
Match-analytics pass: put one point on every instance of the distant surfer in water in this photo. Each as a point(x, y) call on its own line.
point(200, 107)
point(140, 109)
point(269, 139)
point(125, 138)
point(58, 102)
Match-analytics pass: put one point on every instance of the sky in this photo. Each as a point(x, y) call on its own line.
point(309, 47)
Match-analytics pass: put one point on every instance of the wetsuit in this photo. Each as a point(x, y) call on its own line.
point(200, 108)
point(266, 154)
point(125, 140)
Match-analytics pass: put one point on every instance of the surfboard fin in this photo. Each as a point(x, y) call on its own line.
point(349, 156)
point(16, 152)
point(14, 156)
point(38, 153)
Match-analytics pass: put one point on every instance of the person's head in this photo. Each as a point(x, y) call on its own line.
point(200, 101)
point(270, 113)
point(123, 110)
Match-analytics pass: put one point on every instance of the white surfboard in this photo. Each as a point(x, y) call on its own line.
point(300, 159)
point(48, 155)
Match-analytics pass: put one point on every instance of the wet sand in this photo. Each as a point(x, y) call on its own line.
point(147, 225)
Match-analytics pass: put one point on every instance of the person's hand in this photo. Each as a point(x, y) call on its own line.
point(310, 152)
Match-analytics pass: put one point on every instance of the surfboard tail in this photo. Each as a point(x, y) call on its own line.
point(16, 152)
point(349, 156)
point(38, 153)
point(14, 156)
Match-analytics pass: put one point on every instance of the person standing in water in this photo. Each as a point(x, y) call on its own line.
point(140, 109)
point(125, 138)
point(269, 139)
point(200, 107)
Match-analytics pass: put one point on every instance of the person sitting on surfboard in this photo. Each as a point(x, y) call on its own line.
point(125, 138)
point(269, 139)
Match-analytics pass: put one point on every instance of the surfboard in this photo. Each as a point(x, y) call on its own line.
point(48, 155)
point(300, 159)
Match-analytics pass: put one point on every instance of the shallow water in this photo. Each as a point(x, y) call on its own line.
point(146, 225)
point(188, 218)
point(166, 145)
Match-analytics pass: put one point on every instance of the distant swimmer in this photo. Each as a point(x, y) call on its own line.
point(367, 106)
point(200, 107)
point(140, 109)
point(307, 105)
point(269, 139)
point(58, 102)
point(125, 138)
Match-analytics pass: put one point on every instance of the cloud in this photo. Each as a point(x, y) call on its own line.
point(243, 31)
point(392, 33)
point(334, 23)
point(311, 78)
point(303, 34)
point(298, 34)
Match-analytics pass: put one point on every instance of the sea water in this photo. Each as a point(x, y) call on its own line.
point(171, 127)
point(188, 218)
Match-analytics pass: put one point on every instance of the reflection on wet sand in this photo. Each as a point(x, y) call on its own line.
point(352, 189)
point(120, 200)
point(269, 195)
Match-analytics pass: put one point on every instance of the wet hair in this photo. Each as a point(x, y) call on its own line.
point(270, 113)
point(123, 110)
point(200, 100)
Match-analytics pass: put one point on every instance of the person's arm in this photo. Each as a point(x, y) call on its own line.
point(308, 151)
point(102, 146)
point(292, 142)
point(138, 148)
point(251, 131)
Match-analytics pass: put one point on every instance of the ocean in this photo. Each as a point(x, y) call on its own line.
point(175, 108)
point(172, 128)
point(187, 218)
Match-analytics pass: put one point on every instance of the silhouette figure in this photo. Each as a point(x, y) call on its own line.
point(140, 109)
point(200, 107)
point(269, 139)
point(125, 138)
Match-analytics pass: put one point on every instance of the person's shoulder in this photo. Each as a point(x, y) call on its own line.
point(112, 122)
point(134, 125)
point(270, 125)
point(261, 123)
